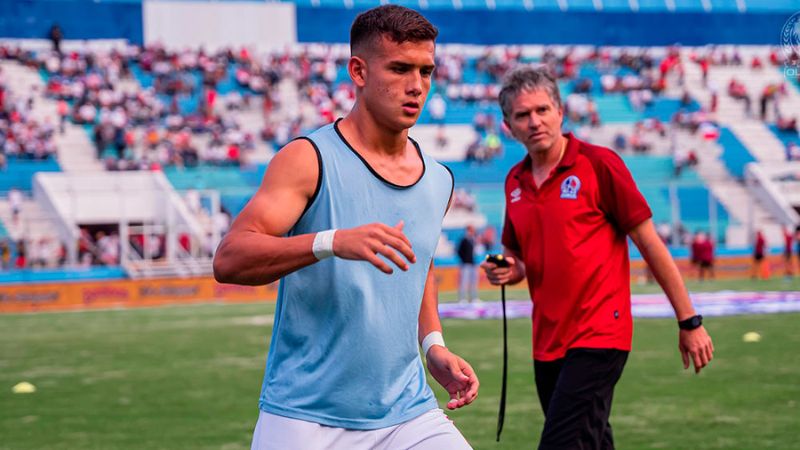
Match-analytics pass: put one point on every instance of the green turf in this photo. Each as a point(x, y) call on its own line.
point(189, 378)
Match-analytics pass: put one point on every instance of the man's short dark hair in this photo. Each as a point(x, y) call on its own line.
point(398, 23)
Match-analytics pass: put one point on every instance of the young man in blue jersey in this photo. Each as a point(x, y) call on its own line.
point(336, 213)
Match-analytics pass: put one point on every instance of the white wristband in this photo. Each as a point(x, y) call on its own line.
point(433, 338)
point(323, 244)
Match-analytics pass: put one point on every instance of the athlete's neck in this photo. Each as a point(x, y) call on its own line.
point(547, 159)
point(360, 126)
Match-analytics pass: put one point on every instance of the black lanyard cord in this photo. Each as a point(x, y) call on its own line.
point(501, 414)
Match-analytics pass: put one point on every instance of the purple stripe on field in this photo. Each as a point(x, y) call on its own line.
point(723, 303)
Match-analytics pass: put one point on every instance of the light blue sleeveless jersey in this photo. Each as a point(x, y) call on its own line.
point(344, 350)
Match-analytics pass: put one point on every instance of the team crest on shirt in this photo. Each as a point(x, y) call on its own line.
point(570, 187)
point(516, 195)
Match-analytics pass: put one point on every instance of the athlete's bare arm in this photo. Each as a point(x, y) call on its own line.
point(450, 370)
point(255, 251)
point(695, 345)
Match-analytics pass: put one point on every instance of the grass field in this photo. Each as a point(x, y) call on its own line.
point(189, 377)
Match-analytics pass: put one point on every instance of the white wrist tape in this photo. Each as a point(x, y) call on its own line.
point(323, 244)
point(433, 338)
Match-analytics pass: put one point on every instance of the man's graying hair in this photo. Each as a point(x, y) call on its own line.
point(527, 78)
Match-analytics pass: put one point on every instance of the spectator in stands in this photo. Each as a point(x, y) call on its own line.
point(462, 199)
point(786, 124)
point(467, 270)
point(489, 239)
point(55, 35)
point(437, 107)
point(759, 253)
point(793, 151)
point(620, 142)
point(15, 202)
point(788, 263)
point(702, 255)
point(5, 254)
point(738, 91)
point(797, 244)
point(21, 261)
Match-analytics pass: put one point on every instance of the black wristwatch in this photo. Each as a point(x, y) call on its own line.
point(691, 323)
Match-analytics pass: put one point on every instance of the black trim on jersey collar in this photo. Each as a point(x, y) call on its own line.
point(375, 173)
point(319, 177)
point(452, 187)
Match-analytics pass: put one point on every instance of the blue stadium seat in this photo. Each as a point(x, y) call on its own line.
point(580, 5)
point(338, 3)
point(652, 5)
point(546, 5)
point(724, 6)
point(414, 4)
point(616, 5)
point(735, 155)
point(786, 137)
point(772, 5)
point(688, 6)
point(224, 179)
point(440, 4)
point(509, 4)
point(19, 173)
point(473, 4)
point(306, 3)
point(615, 108)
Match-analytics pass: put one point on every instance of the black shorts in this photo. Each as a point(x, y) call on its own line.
point(758, 256)
point(706, 264)
point(575, 393)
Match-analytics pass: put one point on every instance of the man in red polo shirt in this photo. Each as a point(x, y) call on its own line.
point(570, 207)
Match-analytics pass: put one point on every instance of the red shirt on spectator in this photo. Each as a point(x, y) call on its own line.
point(702, 251)
point(787, 242)
point(572, 233)
point(761, 245)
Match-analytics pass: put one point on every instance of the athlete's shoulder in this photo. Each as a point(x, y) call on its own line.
point(297, 166)
point(302, 151)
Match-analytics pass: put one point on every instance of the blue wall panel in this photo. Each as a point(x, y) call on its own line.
point(576, 27)
point(78, 20)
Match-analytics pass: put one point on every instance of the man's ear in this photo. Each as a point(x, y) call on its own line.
point(357, 69)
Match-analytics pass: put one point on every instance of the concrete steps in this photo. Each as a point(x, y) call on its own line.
point(33, 222)
point(751, 131)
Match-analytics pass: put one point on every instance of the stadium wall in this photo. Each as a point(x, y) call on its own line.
point(35, 297)
point(482, 27)
point(214, 25)
point(32, 19)
point(191, 23)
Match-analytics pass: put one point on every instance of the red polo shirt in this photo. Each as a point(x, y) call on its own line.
point(572, 235)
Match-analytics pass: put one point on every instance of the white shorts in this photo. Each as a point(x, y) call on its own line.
point(430, 431)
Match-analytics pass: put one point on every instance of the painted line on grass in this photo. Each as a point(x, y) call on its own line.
point(724, 303)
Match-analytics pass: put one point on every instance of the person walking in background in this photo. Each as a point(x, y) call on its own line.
point(759, 253)
point(5, 255)
point(467, 270)
point(15, 200)
point(788, 262)
point(570, 208)
point(703, 255)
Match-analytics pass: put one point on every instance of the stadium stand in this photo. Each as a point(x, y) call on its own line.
point(211, 120)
